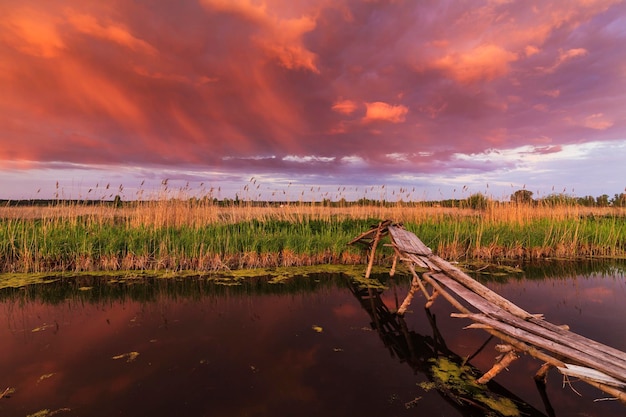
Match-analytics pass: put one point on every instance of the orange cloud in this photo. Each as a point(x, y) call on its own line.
point(179, 78)
point(246, 8)
point(31, 32)
point(230, 83)
point(344, 106)
point(385, 112)
point(284, 43)
point(112, 32)
point(90, 91)
point(483, 63)
point(280, 38)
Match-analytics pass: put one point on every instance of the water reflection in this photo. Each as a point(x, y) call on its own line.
point(99, 347)
point(451, 375)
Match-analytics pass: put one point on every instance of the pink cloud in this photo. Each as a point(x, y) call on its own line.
point(597, 121)
point(543, 150)
point(483, 63)
point(113, 32)
point(243, 84)
point(385, 112)
point(344, 106)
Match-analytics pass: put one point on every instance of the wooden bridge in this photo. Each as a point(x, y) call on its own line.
point(556, 346)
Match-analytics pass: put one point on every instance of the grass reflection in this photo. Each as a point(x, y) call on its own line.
point(97, 289)
point(55, 289)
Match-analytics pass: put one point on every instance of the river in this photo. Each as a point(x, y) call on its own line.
point(307, 346)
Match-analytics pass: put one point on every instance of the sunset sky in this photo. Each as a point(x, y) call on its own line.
point(296, 98)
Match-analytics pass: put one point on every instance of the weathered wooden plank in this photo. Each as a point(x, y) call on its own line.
point(604, 367)
point(422, 261)
point(464, 293)
point(543, 327)
point(478, 288)
point(553, 333)
point(579, 338)
point(475, 287)
point(586, 359)
point(408, 242)
point(592, 374)
point(413, 259)
point(566, 338)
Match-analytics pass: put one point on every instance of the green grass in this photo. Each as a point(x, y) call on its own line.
point(248, 237)
point(34, 246)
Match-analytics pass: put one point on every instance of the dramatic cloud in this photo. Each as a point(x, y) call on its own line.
point(345, 92)
point(483, 63)
point(384, 111)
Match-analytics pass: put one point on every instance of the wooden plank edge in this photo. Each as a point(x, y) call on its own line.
point(613, 369)
point(591, 374)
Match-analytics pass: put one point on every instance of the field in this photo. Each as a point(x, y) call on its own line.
point(205, 235)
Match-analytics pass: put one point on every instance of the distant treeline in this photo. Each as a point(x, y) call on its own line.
point(474, 201)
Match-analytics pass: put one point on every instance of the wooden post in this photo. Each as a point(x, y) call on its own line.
point(445, 294)
point(431, 299)
point(409, 297)
point(505, 360)
point(392, 272)
point(542, 374)
point(415, 284)
point(541, 379)
point(370, 264)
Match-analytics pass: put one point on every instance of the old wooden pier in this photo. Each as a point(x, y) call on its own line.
point(556, 346)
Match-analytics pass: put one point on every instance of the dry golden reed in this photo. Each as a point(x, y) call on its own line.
point(209, 235)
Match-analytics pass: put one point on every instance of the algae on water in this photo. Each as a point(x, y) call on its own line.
point(460, 381)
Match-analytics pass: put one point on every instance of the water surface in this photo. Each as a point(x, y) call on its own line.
point(307, 347)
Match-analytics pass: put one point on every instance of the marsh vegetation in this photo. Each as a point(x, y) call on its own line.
point(209, 235)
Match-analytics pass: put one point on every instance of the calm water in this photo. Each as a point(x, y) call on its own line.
point(307, 347)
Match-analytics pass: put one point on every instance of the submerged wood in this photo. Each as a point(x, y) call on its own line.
point(571, 354)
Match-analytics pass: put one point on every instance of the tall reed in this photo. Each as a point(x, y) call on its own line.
point(206, 234)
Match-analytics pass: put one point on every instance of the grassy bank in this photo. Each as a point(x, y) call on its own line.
point(178, 235)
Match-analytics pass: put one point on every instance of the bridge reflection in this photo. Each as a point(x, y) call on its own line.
point(450, 374)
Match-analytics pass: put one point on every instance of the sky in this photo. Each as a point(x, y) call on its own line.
point(307, 99)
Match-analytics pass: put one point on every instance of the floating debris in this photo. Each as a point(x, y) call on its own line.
point(44, 377)
point(48, 413)
point(130, 356)
point(317, 328)
point(42, 328)
point(7, 392)
point(412, 403)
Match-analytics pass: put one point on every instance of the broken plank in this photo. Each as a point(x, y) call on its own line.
point(592, 374)
point(534, 325)
point(610, 368)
